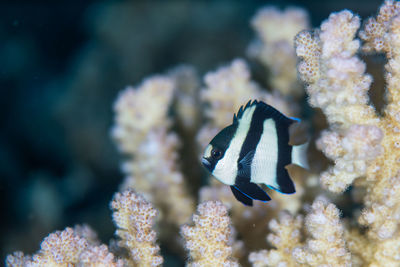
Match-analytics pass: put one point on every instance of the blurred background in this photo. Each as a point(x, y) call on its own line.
point(61, 67)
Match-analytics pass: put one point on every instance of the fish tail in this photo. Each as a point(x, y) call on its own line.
point(299, 155)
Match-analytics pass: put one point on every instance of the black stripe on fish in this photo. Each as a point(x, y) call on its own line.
point(255, 131)
point(264, 112)
point(284, 158)
point(222, 141)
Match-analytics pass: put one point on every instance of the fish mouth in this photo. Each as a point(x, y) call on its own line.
point(206, 163)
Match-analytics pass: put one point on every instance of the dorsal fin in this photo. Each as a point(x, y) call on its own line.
point(267, 111)
point(242, 109)
point(270, 111)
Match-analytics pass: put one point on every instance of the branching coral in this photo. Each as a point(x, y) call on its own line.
point(66, 248)
point(360, 143)
point(135, 217)
point(141, 131)
point(275, 47)
point(140, 110)
point(285, 237)
point(363, 146)
point(336, 83)
point(325, 245)
point(226, 90)
point(207, 241)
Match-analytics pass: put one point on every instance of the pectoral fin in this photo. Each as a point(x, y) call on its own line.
point(244, 166)
point(251, 190)
point(241, 197)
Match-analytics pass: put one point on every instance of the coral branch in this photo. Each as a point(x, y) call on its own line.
point(141, 131)
point(139, 110)
point(327, 245)
point(285, 237)
point(360, 143)
point(207, 240)
point(134, 217)
point(337, 84)
point(71, 247)
point(275, 47)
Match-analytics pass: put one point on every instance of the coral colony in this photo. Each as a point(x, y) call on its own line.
point(303, 229)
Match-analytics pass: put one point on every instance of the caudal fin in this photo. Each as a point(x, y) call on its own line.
point(299, 155)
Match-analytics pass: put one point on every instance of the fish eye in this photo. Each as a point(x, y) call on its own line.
point(216, 153)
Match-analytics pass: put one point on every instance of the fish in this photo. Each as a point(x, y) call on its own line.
point(255, 150)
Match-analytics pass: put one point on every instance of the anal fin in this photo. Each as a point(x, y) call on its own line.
point(241, 197)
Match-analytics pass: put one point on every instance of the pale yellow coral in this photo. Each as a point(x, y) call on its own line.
point(383, 253)
point(338, 85)
point(60, 248)
point(285, 237)
point(71, 247)
point(327, 246)
point(207, 240)
point(362, 144)
point(257, 216)
point(139, 110)
point(382, 200)
point(134, 217)
point(375, 31)
point(155, 174)
point(141, 131)
point(324, 245)
point(358, 146)
point(336, 80)
point(227, 89)
point(17, 259)
point(99, 256)
point(230, 87)
point(275, 47)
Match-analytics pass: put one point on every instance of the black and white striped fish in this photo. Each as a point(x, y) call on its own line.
point(253, 150)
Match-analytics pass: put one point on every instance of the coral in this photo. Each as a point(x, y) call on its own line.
point(374, 253)
point(69, 247)
point(141, 131)
point(230, 87)
point(362, 144)
point(336, 83)
point(226, 90)
point(324, 246)
point(139, 110)
point(285, 237)
point(375, 33)
point(207, 241)
point(135, 217)
point(171, 115)
point(154, 173)
point(274, 48)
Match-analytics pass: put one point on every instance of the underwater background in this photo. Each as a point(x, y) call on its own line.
point(61, 68)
